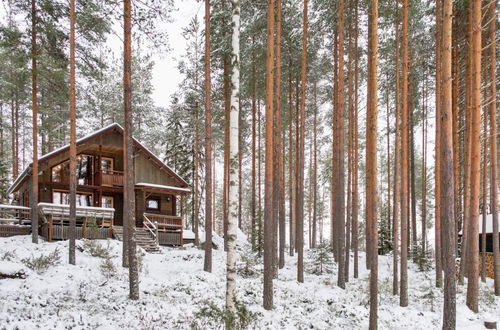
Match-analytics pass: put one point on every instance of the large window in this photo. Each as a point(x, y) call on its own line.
point(62, 197)
point(84, 171)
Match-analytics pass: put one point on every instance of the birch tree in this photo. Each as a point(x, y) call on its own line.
point(233, 158)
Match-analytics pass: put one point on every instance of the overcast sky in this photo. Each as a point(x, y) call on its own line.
point(165, 74)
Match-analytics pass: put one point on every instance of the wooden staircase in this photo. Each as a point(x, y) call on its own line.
point(143, 238)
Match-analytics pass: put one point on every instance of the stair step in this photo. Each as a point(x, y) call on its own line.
point(143, 239)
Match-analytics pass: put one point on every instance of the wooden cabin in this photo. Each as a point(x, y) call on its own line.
point(488, 231)
point(100, 176)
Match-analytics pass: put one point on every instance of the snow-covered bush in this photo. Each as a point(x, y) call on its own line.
point(248, 262)
point(96, 249)
point(42, 263)
point(8, 256)
point(107, 268)
point(321, 259)
point(422, 259)
point(211, 316)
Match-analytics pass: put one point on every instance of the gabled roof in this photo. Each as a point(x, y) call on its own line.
point(112, 127)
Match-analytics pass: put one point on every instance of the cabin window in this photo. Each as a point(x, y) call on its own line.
point(62, 197)
point(107, 165)
point(84, 170)
point(107, 201)
point(153, 204)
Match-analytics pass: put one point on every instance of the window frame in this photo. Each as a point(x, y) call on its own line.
point(153, 198)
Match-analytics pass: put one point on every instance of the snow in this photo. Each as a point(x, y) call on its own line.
point(174, 285)
point(159, 186)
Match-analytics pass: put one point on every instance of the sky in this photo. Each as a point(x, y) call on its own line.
point(166, 77)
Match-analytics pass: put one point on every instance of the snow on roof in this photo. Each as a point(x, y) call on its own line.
point(159, 186)
point(489, 224)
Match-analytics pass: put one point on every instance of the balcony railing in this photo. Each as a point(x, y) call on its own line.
point(166, 222)
point(109, 178)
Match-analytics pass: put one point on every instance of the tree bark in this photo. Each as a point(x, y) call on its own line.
point(208, 146)
point(437, 165)
point(339, 194)
point(475, 166)
point(233, 197)
point(253, 222)
point(34, 107)
point(371, 163)
point(268, 186)
point(493, 150)
point(403, 298)
point(447, 199)
point(397, 174)
point(128, 189)
point(300, 162)
point(72, 144)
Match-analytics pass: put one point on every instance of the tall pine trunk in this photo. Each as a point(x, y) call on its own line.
point(493, 149)
point(300, 156)
point(34, 107)
point(475, 166)
point(72, 144)
point(268, 181)
point(339, 195)
point(447, 199)
point(403, 298)
point(208, 146)
point(371, 163)
point(128, 189)
point(437, 165)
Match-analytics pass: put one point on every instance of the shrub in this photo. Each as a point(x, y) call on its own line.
point(107, 268)
point(321, 259)
point(211, 316)
point(96, 249)
point(9, 256)
point(422, 259)
point(42, 263)
point(248, 262)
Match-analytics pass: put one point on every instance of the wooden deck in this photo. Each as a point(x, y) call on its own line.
point(14, 220)
point(166, 229)
point(91, 222)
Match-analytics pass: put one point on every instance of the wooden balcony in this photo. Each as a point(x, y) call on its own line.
point(109, 178)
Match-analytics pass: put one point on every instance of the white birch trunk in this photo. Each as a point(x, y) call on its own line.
point(233, 158)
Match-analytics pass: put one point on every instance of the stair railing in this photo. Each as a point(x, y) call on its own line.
point(152, 228)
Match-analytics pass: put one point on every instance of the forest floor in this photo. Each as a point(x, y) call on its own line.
point(177, 294)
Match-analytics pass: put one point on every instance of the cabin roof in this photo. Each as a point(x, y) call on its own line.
point(112, 127)
point(159, 187)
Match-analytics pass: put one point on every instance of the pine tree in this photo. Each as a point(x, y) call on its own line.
point(208, 146)
point(128, 189)
point(447, 198)
point(371, 162)
point(269, 156)
point(72, 145)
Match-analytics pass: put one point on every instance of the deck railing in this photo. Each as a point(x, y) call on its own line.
point(164, 228)
point(151, 227)
point(109, 178)
point(14, 214)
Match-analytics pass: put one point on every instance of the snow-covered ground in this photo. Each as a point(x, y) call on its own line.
point(173, 287)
